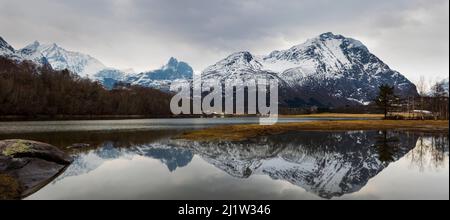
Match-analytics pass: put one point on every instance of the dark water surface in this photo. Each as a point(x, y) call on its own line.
point(148, 163)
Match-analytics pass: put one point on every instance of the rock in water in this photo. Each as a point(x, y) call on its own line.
point(26, 166)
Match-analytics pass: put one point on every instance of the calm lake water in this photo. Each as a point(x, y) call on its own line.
point(142, 159)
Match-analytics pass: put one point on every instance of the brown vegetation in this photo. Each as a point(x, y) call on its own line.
point(243, 132)
point(336, 115)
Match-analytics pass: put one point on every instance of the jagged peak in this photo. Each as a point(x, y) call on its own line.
point(4, 44)
point(35, 44)
point(234, 63)
point(175, 64)
point(244, 55)
point(53, 46)
point(31, 47)
point(346, 41)
point(2, 41)
point(326, 41)
point(45, 47)
point(330, 35)
point(172, 61)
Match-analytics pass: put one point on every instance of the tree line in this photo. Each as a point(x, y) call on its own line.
point(431, 104)
point(28, 90)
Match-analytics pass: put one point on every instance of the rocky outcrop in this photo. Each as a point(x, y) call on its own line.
point(26, 166)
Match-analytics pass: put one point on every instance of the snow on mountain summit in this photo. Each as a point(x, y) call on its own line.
point(5, 47)
point(328, 70)
point(328, 48)
point(87, 66)
point(8, 51)
point(162, 78)
point(60, 59)
point(237, 64)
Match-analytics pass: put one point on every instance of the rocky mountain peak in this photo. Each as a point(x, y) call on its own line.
point(5, 46)
point(173, 62)
point(332, 70)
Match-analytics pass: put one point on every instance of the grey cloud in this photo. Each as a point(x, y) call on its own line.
point(144, 33)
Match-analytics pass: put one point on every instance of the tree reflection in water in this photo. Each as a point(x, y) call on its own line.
point(431, 152)
point(387, 146)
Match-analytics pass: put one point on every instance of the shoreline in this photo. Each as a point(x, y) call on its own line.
point(12, 118)
point(244, 132)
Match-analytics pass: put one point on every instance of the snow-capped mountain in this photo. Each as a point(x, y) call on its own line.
point(5, 48)
point(60, 59)
point(108, 77)
point(328, 70)
point(87, 66)
point(240, 66)
point(162, 78)
point(8, 51)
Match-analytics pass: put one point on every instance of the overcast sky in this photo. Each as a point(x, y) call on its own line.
point(412, 36)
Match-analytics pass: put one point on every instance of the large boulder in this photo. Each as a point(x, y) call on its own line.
point(26, 166)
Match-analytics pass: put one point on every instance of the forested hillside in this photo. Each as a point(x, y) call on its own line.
point(29, 90)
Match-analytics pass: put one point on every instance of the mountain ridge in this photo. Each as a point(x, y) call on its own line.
point(326, 71)
point(8, 51)
point(82, 64)
point(87, 66)
point(329, 70)
point(163, 77)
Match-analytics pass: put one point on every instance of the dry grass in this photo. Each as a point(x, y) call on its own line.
point(336, 115)
point(243, 132)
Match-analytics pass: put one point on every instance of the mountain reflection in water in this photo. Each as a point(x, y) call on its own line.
point(327, 164)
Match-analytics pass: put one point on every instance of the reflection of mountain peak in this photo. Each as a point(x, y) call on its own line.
point(328, 164)
point(311, 160)
point(172, 157)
